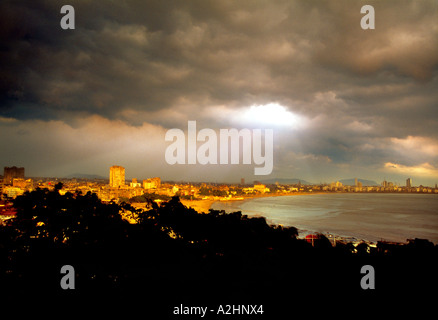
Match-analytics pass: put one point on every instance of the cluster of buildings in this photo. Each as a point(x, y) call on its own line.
point(118, 189)
point(14, 182)
point(386, 186)
point(117, 180)
point(257, 188)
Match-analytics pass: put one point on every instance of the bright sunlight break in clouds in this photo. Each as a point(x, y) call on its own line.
point(271, 114)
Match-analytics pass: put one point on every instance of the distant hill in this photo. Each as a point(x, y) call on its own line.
point(350, 182)
point(84, 176)
point(285, 181)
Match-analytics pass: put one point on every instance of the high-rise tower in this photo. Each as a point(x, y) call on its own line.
point(117, 176)
point(10, 173)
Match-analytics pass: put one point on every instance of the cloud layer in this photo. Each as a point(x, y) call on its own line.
point(133, 68)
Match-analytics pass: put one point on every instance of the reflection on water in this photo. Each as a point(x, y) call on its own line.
point(372, 217)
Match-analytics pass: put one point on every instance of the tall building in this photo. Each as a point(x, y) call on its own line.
point(11, 173)
point(117, 176)
point(242, 181)
point(408, 183)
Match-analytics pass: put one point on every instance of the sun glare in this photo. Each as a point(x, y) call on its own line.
point(272, 114)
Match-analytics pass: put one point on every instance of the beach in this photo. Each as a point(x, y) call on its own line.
point(204, 205)
point(200, 206)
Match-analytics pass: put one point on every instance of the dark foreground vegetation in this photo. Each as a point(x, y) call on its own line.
point(175, 255)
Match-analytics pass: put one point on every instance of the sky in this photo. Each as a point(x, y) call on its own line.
point(342, 102)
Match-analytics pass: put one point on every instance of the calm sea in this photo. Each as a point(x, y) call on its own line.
point(371, 217)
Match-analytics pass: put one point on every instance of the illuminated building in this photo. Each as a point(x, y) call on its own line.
point(135, 184)
point(117, 176)
point(153, 183)
point(261, 188)
point(10, 173)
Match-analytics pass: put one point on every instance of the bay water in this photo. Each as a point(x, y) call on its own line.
point(363, 216)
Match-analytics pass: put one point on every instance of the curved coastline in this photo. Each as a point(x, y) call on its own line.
point(359, 221)
point(204, 205)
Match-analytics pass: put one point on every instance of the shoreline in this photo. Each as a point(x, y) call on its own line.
point(204, 205)
point(200, 206)
point(305, 229)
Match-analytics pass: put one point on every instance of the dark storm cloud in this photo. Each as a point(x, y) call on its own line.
point(143, 55)
point(165, 62)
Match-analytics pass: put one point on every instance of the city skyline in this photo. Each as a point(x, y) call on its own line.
point(117, 178)
point(342, 102)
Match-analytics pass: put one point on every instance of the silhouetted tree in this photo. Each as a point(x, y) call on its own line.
point(175, 250)
point(362, 248)
point(59, 186)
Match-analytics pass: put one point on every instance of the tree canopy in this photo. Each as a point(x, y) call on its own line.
point(175, 251)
